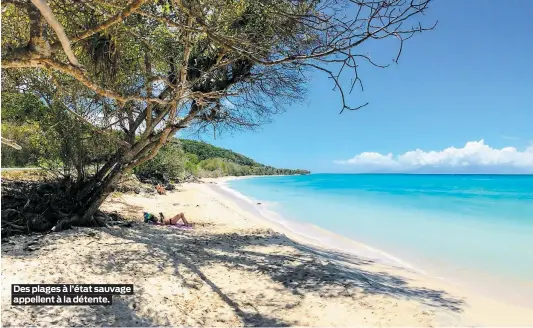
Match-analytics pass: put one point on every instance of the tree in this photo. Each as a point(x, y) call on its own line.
point(50, 132)
point(19, 113)
point(169, 162)
point(156, 67)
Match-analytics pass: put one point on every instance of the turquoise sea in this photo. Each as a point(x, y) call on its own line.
point(449, 225)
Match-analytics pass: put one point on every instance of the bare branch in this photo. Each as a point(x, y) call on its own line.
point(85, 120)
point(119, 17)
point(10, 143)
point(58, 28)
point(79, 75)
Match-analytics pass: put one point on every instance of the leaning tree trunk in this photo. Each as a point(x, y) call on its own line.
point(91, 196)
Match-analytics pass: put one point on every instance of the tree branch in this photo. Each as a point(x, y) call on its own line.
point(58, 28)
point(10, 143)
point(86, 121)
point(79, 75)
point(119, 17)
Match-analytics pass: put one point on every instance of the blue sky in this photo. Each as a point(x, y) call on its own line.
point(469, 80)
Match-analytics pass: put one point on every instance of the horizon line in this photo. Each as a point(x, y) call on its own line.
point(408, 173)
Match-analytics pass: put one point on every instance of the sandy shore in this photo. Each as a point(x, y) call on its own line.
point(234, 268)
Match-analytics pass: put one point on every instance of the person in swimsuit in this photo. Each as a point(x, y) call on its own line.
point(174, 220)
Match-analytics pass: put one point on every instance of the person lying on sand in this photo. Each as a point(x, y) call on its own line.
point(150, 218)
point(160, 190)
point(174, 220)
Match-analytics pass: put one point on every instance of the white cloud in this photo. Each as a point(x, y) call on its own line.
point(475, 154)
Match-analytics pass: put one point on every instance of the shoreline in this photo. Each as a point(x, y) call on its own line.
point(307, 232)
point(336, 241)
point(233, 268)
point(311, 233)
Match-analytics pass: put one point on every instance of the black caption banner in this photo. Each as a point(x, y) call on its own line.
point(67, 294)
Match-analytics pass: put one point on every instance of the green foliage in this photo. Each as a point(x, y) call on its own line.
point(206, 160)
point(181, 158)
point(51, 137)
point(26, 135)
point(191, 163)
point(206, 151)
point(169, 161)
point(21, 107)
point(21, 113)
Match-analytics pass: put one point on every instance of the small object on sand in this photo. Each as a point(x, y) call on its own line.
point(31, 246)
point(170, 187)
point(149, 217)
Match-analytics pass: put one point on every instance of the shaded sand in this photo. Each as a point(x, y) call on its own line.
point(232, 269)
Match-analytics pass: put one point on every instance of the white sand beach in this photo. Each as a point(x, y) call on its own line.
point(234, 268)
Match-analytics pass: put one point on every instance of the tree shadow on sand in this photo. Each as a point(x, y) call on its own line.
point(308, 269)
point(304, 269)
point(119, 314)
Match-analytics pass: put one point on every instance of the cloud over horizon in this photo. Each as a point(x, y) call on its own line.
point(475, 155)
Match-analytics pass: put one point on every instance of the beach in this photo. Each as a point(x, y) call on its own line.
point(234, 268)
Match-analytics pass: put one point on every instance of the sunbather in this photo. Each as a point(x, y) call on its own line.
point(160, 190)
point(174, 220)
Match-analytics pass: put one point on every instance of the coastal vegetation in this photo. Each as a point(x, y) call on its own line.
point(113, 81)
point(181, 159)
point(53, 140)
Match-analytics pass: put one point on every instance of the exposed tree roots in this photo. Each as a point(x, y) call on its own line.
point(45, 206)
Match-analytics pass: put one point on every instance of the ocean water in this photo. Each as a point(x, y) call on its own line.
point(450, 225)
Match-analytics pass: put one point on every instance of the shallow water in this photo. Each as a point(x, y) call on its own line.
point(471, 226)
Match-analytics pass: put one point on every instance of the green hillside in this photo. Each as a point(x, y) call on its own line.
point(206, 151)
point(182, 159)
point(205, 160)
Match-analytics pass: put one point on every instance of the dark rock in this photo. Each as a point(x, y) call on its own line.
point(31, 247)
point(149, 190)
point(170, 187)
point(145, 179)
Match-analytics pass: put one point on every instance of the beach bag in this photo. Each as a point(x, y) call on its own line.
point(149, 217)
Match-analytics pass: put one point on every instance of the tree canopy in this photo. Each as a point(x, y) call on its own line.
point(158, 66)
point(137, 71)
